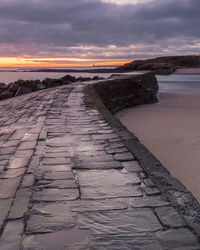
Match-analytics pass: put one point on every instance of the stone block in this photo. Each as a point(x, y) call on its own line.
point(55, 194)
point(17, 162)
point(12, 235)
point(122, 223)
point(10, 185)
point(124, 157)
point(5, 205)
point(27, 145)
point(148, 202)
point(169, 217)
point(132, 166)
point(180, 239)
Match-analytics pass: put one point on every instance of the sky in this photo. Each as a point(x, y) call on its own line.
point(95, 32)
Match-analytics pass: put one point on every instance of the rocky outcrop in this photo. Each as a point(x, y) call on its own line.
point(127, 90)
point(22, 87)
point(163, 65)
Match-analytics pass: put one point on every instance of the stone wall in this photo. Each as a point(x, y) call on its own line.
point(127, 90)
point(172, 190)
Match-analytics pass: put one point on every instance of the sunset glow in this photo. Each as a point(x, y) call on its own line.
point(57, 62)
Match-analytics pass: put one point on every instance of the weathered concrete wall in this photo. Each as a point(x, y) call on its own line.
point(127, 90)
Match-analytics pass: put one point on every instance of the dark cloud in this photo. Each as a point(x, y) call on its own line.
point(52, 28)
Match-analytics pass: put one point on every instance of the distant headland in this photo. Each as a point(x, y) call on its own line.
point(164, 65)
point(160, 66)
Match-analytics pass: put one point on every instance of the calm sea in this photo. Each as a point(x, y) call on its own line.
point(171, 83)
point(8, 75)
point(179, 83)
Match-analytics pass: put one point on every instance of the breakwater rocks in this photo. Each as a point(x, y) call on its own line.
point(127, 90)
point(163, 65)
point(22, 87)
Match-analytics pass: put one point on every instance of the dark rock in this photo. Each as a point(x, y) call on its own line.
point(20, 82)
point(96, 78)
point(68, 78)
point(83, 79)
point(6, 94)
point(2, 86)
point(13, 87)
point(49, 83)
point(40, 86)
point(22, 91)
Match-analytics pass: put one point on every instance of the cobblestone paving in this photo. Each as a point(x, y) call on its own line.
point(69, 182)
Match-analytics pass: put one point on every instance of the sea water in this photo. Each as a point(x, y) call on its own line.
point(167, 83)
point(8, 75)
point(179, 83)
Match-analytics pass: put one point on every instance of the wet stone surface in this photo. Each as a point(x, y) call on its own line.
point(128, 222)
point(46, 218)
point(68, 181)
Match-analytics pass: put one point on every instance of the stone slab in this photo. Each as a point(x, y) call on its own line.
point(108, 178)
point(27, 145)
point(61, 239)
point(12, 235)
point(17, 162)
point(56, 161)
point(108, 192)
point(179, 239)
point(123, 222)
point(57, 168)
point(145, 242)
point(10, 185)
point(101, 205)
point(98, 165)
point(169, 217)
point(19, 207)
point(14, 173)
point(5, 205)
point(55, 194)
point(123, 157)
point(148, 202)
point(28, 181)
point(104, 136)
point(58, 175)
point(132, 166)
point(61, 184)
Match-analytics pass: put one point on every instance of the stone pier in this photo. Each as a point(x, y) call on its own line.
point(69, 181)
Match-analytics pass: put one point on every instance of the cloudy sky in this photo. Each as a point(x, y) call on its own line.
point(86, 32)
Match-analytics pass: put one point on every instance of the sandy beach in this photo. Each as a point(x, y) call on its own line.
point(170, 129)
point(188, 71)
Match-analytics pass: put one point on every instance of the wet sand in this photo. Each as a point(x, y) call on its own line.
point(188, 71)
point(170, 129)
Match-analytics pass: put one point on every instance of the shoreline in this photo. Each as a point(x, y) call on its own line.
point(192, 71)
point(169, 129)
